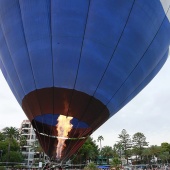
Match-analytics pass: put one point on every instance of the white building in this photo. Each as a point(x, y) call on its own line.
point(27, 131)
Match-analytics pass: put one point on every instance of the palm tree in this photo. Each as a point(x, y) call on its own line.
point(99, 139)
point(10, 134)
point(107, 152)
point(164, 156)
point(147, 153)
point(115, 163)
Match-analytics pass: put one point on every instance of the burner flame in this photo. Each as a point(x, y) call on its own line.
point(63, 128)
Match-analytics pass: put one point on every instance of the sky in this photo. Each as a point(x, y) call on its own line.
point(148, 112)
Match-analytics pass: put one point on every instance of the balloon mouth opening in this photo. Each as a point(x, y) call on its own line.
point(51, 120)
point(60, 137)
point(63, 130)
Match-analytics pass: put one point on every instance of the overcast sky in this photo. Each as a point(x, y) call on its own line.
point(148, 112)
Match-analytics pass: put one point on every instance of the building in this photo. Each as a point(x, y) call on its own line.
point(27, 131)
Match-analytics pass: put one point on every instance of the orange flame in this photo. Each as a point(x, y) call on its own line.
point(63, 127)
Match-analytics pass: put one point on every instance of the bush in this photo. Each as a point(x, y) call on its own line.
point(2, 168)
point(91, 166)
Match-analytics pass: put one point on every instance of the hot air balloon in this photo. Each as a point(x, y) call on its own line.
point(72, 64)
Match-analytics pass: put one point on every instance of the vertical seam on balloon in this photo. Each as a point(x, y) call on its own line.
point(109, 61)
point(52, 55)
point(81, 49)
point(30, 66)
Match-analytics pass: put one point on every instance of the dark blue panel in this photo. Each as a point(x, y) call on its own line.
point(68, 26)
point(67, 58)
point(9, 68)
point(36, 26)
point(51, 119)
point(14, 37)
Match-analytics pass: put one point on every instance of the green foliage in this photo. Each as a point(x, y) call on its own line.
point(10, 146)
point(11, 133)
point(139, 140)
point(13, 157)
point(91, 166)
point(125, 139)
point(165, 147)
point(2, 137)
point(125, 143)
point(107, 151)
point(89, 150)
point(117, 149)
point(4, 146)
point(115, 163)
point(2, 168)
point(164, 156)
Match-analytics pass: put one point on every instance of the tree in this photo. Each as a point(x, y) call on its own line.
point(164, 156)
point(135, 152)
point(10, 133)
point(107, 152)
point(88, 151)
point(155, 151)
point(2, 137)
point(165, 147)
point(117, 149)
point(91, 166)
point(125, 143)
point(139, 141)
point(147, 153)
point(99, 139)
point(115, 163)
point(14, 148)
point(14, 157)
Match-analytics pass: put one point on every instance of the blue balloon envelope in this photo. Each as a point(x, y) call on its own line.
point(80, 59)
